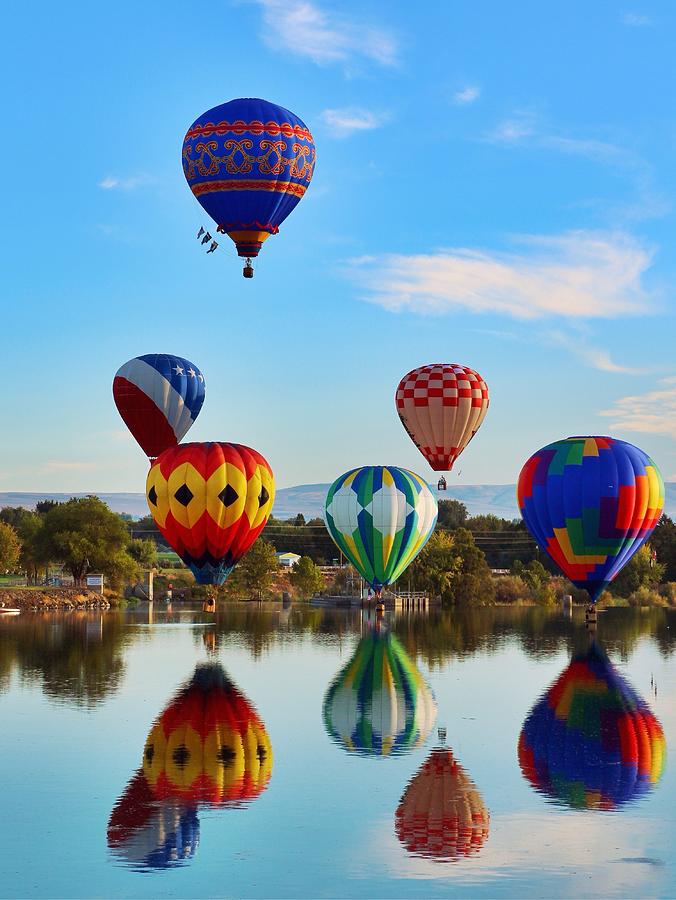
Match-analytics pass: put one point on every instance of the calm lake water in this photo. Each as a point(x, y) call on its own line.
point(300, 752)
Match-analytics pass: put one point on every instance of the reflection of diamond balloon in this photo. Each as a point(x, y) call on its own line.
point(144, 832)
point(209, 745)
point(379, 703)
point(442, 815)
point(590, 741)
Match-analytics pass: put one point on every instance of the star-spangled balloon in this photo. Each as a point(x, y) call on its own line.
point(380, 517)
point(159, 396)
point(591, 503)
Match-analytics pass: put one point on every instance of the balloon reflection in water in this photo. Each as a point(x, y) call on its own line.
point(208, 746)
point(379, 703)
point(149, 834)
point(591, 742)
point(442, 814)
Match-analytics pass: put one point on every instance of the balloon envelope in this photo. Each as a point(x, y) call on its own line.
point(379, 704)
point(591, 742)
point(210, 501)
point(380, 517)
point(159, 396)
point(442, 815)
point(209, 745)
point(441, 407)
point(590, 502)
point(248, 162)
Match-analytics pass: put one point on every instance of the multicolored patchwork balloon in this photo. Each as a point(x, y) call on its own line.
point(442, 815)
point(441, 407)
point(379, 704)
point(209, 745)
point(210, 501)
point(380, 517)
point(591, 742)
point(248, 162)
point(159, 396)
point(590, 502)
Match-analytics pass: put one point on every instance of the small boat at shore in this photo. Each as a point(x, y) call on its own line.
point(9, 611)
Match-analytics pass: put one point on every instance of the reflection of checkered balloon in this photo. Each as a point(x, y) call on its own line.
point(380, 517)
point(591, 503)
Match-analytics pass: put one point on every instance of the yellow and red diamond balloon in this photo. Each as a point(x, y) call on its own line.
point(210, 501)
point(209, 745)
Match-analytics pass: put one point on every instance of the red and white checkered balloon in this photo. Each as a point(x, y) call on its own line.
point(441, 406)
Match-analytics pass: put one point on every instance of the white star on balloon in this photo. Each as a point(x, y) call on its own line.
point(200, 376)
point(178, 369)
point(191, 372)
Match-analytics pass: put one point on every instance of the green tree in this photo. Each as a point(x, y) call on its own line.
point(472, 585)
point(435, 567)
point(452, 514)
point(143, 551)
point(43, 506)
point(306, 577)
point(641, 571)
point(10, 548)
point(663, 541)
point(27, 525)
point(85, 535)
point(256, 570)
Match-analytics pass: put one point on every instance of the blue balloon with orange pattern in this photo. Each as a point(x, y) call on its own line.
point(591, 503)
point(248, 162)
point(591, 742)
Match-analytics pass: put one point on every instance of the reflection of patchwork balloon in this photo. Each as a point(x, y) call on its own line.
point(147, 833)
point(590, 502)
point(209, 745)
point(442, 815)
point(210, 501)
point(379, 704)
point(591, 742)
point(380, 517)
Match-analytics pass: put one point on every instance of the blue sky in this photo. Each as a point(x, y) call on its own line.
point(494, 186)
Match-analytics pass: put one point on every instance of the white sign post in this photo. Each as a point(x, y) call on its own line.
point(95, 582)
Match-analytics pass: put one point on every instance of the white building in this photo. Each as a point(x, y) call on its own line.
point(287, 560)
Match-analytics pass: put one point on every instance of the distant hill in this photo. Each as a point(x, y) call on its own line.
point(499, 499)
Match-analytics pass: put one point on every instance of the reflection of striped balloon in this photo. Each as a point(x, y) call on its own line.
point(379, 704)
point(380, 517)
point(159, 396)
point(210, 501)
point(591, 742)
point(147, 833)
point(209, 745)
point(591, 503)
point(442, 815)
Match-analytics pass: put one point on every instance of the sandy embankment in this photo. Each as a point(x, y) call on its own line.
point(54, 598)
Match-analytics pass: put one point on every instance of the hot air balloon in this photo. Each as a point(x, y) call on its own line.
point(380, 517)
point(210, 501)
point(591, 742)
point(147, 833)
point(441, 407)
point(442, 815)
point(379, 704)
point(208, 746)
point(159, 396)
point(590, 502)
point(248, 163)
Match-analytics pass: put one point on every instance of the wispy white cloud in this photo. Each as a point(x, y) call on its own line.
point(595, 357)
point(346, 121)
point(651, 413)
point(64, 465)
point(578, 275)
point(466, 95)
point(305, 29)
point(128, 183)
point(636, 20)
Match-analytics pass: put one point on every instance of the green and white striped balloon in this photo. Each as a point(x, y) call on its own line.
point(380, 517)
